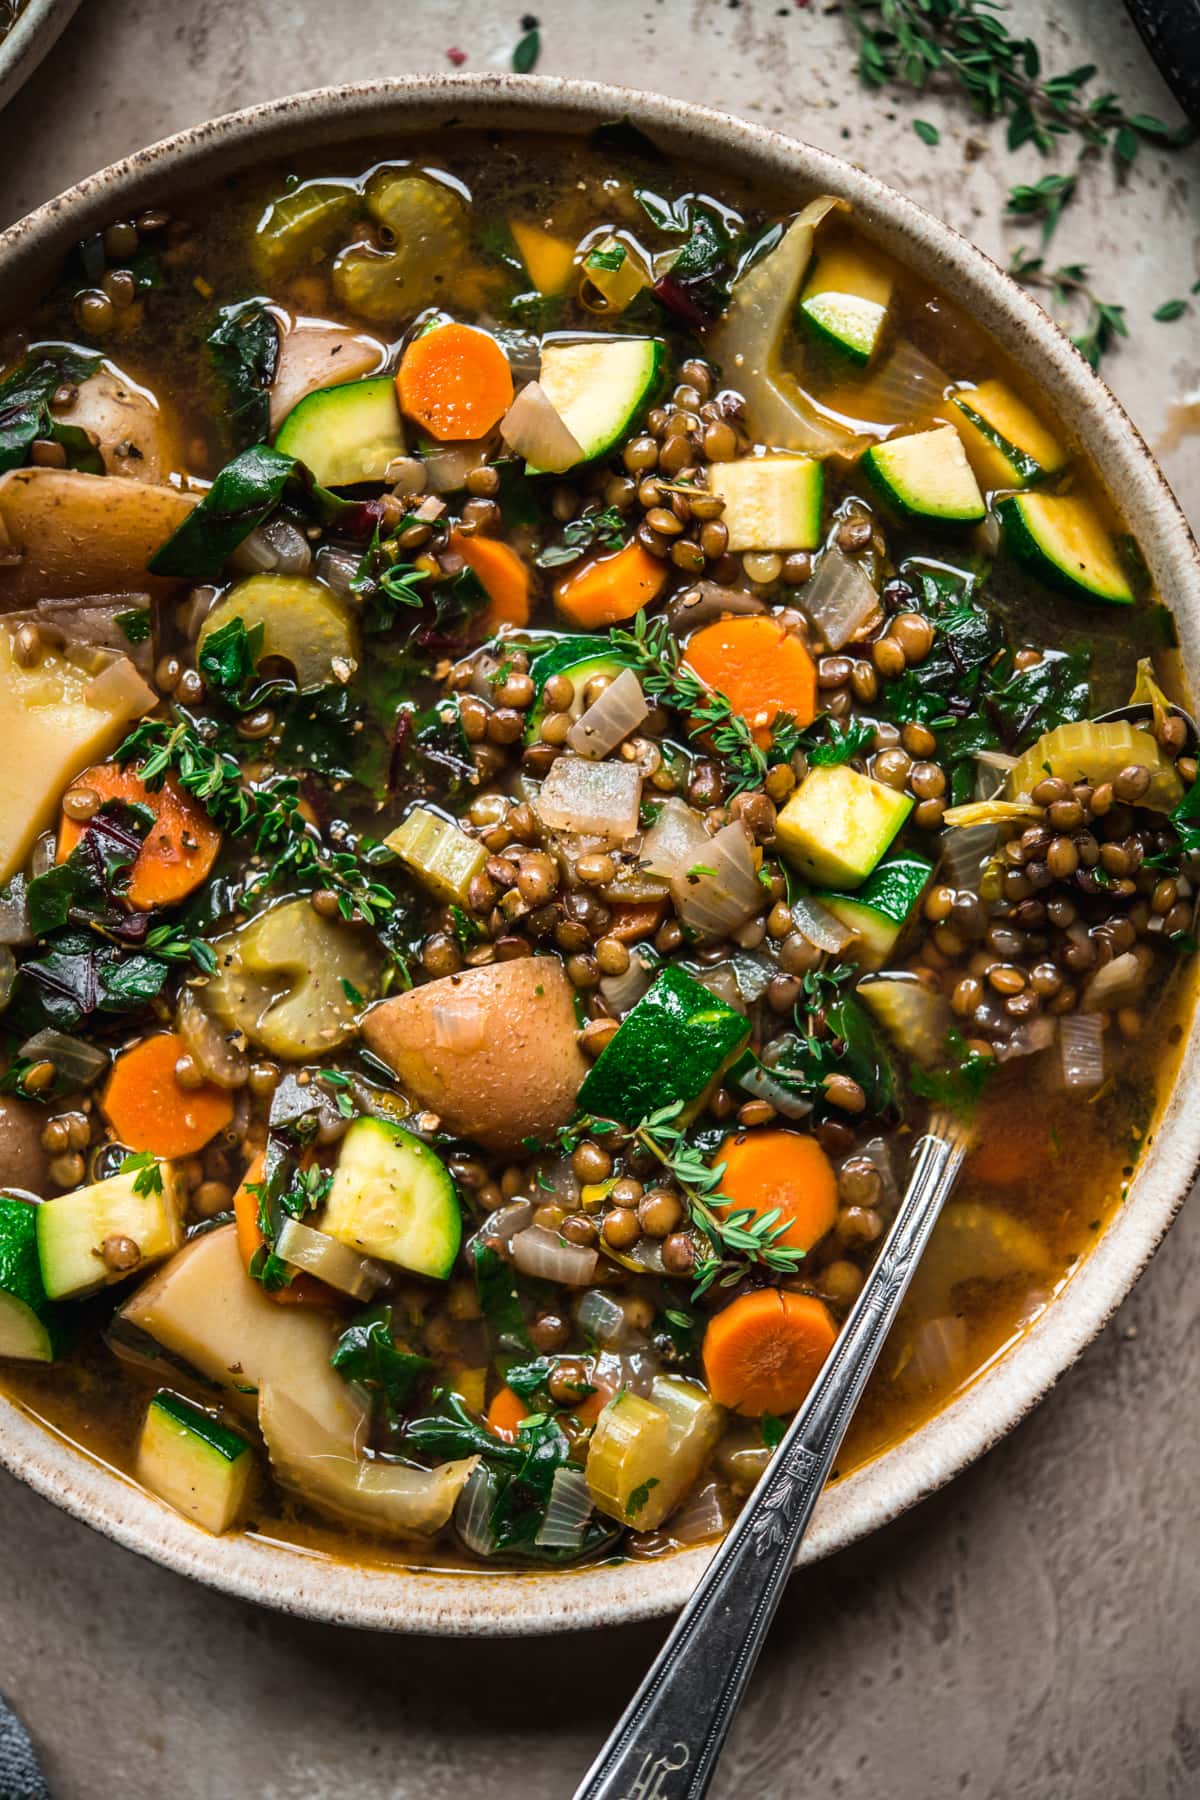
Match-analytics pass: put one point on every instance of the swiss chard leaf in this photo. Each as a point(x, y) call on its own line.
point(82, 976)
point(367, 1352)
point(244, 349)
point(385, 586)
point(25, 414)
point(89, 882)
point(1031, 701)
point(959, 1084)
point(246, 492)
point(499, 1299)
point(228, 661)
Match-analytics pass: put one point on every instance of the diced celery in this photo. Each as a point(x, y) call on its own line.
point(301, 226)
point(1096, 752)
point(646, 1454)
point(438, 853)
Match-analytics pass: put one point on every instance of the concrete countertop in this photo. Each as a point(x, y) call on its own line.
point(1033, 1633)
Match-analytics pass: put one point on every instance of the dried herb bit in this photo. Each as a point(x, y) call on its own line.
point(960, 1084)
point(640, 1495)
point(1105, 321)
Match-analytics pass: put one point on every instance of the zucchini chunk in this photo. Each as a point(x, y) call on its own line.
point(927, 476)
point(599, 387)
point(346, 434)
point(73, 1229)
point(193, 1462)
point(846, 299)
point(1007, 444)
point(838, 824)
point(394, 1199)
point(771, 502)
point(31, 1326)
point(881, 908)
point(1062, 539)
point(674, 1045)
point(302, 621)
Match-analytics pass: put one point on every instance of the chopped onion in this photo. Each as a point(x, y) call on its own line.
point(568, 1510)
point(936, 1353)
point(840, 598)
point(524, 352)
point(996, 759)
point(700, 1517)
point(621, 993)
point(610, 718)
point(533, 429)
point(994, 812)
point(14, 913)
point(727, 893)
point(820, 926)
point(916, 1016)
point(473, 1513)
point(1116, 983)
point(632, 1369)
point(93, 621)
point(337, 566)
point(1081, 1046)
point(541, 1253)
point(80, 1063)
point(275, 548)
point(407, 476)
point(720, 979)
point(331, 1262)
point(906, 387)
point(762, 1084)
point(448, 465)
point(215, 1053)
point(754, 973)
point(603, 1319)
point(459, 1024)
point(8, 975)
point(44, 854)
point(1028, 1039)
point(119, 688)
point(507, 1221)
point(675, 842)
point(598, 797)
point(965, 854)
point(708, 600)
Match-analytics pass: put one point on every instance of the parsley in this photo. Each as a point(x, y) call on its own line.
point(838, 743)
point(244, 350)
point(959, 1086)
point(351, 992)
point(607, 259)
point(135, 623)
point(228, 661)
point(147, 1169)
point(1186, 820)
point(640, 1495)
point(384, 585)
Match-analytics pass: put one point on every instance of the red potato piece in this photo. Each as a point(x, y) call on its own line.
point(492, 1051)
point(315, 353)
point(70, 533)
point(137, 438)
point(23, 1162)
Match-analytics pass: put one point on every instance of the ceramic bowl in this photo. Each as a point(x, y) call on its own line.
point(37, 28)
point(476, 1602)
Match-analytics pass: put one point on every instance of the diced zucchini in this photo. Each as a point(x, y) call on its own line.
point(346, 434)
point(439, 853)
point(73, 1229)
point(581, 658)
point(674, 1044)
point(301, 227)
point(917, 1018)
point(1062, 539)
point(549, 260)
point(617, 273)
point(31, 1326)
point(393, 1198)
point(847, 297)
point(1095, 752)
point(927, 476)
point(193, 1462)
point(1007, 444)
point(881, 908)
point(838, 824)
point(599, 387)
point(771, 502)
point(644, 1455)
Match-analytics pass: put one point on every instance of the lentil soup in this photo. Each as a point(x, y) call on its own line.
point(554, 714)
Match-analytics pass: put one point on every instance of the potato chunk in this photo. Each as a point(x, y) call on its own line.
point(492, 1051)
point(71, 533)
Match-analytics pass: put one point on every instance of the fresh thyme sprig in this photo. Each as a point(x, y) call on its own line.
point(269, 817)
point(654, 652)
point(736, 1235)
point(1069, 285)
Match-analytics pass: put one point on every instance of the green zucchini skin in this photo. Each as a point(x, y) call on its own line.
point(673, 1045)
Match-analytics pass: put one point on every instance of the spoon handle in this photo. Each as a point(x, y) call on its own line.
point(666, 1745)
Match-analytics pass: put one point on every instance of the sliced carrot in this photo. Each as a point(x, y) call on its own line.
point(455, 382)
point(761, 669)
point(178, 851)
point(784, 1169)
point(606, 589)
point(149, 1108)
point(505, 1414)
point(304, 1290)
point(504, 576)
point(631, 923)
point(765, 1350)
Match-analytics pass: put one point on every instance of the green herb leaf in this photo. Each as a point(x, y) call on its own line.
point(244, 494)
point(1169, 311)
point(959, 1085)
point(135, 623)
point(367, 1352)
point(148, 1171)
point(928, 134)
point(527, 51)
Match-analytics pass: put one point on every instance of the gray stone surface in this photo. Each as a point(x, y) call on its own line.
point(1031, 1634)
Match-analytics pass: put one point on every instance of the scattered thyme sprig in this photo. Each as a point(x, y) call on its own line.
point(966, 43)
point(1069, 285)
point(654, 652)
point(269, 818)
point(736, 1237)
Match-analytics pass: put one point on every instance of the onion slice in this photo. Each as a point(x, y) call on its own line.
point(816, 923)
point(335, 1264)
point(601, 798)
point(906, 387)
point(721, 890)
point(1115, 984)
point(119, 688)
point(1081, 1047)
point(473, 1513)
point(533, 429)
point(619, 710)
point(542, 1254)
point(621, 993)
point(568, 1511)
point(14, 913)
point(840, 598)
point(77, 1061)
point(700, 1517)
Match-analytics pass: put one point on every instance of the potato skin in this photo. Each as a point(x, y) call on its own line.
point(23, 1162)
point(522, 1078)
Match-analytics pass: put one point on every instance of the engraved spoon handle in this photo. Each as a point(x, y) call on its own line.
point(666, 1745)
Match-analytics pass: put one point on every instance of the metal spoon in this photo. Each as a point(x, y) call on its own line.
point(666, 1745)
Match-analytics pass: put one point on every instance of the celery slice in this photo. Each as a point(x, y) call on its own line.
point(1096, 752)
point(438, 853)
point(646, 1454)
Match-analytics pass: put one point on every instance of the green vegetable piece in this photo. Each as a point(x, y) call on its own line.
point(880, 909)
point(838, 824)
point(32, 1328)
point(1064, 541)
point(927, 476)
point(393, 1198)
point(672, 1047)
point(300, 227)
point(193, 1462)
point(345, 434)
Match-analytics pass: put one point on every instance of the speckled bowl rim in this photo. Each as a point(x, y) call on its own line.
point(482, 1604)
point(31, 39)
